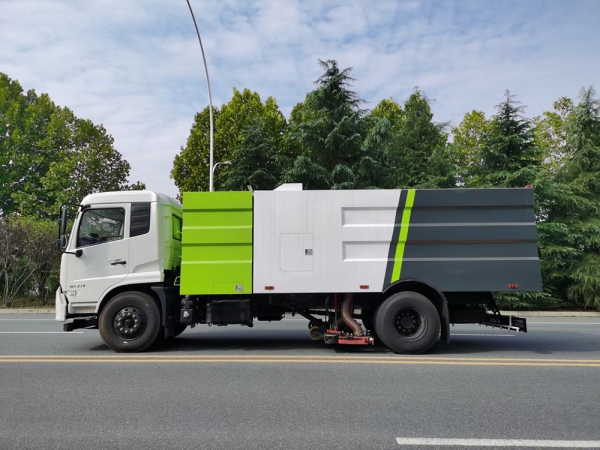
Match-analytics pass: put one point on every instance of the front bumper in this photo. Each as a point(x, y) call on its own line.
point(61, 306)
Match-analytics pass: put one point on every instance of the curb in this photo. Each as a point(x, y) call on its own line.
point(552, 313)
point(509, 313)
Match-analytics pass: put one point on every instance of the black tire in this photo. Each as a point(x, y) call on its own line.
point(130, 322)
point(407, 322)
point(315, 333)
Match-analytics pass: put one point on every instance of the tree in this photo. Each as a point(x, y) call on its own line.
point(387, 109)
point(29, 258)
point(383, 125)
point(45, 257)
point(48, 155)
point(255, 159)
point(581, 171)
point(191, 165)
point(550, 134)
point(326, 132)
point(137, 186)
point(12, 106)
point(567, 206)
point(16, 268)
point(466, 148)
point(418, 156)
point(32, 130)
point(509, 157)
point(91, 164)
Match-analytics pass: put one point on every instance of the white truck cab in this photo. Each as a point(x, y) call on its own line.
point(118, 239)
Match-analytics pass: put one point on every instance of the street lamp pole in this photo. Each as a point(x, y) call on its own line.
point(210, 111)
point(226, 163)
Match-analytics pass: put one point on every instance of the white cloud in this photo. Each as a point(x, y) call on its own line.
point(136, 67)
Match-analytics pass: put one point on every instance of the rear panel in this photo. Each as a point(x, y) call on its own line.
point(217, 243)
point(467, 240)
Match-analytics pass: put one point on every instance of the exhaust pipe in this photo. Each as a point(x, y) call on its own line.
point(346, 311)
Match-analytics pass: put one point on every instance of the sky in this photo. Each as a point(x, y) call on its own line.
point(135, 66)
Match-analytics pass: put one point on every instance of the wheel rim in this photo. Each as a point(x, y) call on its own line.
point(315, 333)
point(410, 324)
point(129, 323)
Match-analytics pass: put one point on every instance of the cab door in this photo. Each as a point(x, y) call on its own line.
point(102, 236)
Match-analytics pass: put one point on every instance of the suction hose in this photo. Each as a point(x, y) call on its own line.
point(346, 311)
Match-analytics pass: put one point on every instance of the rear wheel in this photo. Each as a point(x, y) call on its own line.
point(407, 322)
point(130, 322)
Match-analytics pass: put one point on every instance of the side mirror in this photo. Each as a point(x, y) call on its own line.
point(63, 221)
point(62, 240)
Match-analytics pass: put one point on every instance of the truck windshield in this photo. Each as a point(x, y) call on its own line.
point(101, 225)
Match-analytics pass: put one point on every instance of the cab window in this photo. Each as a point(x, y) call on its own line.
point(101, 225)
point(177, 226)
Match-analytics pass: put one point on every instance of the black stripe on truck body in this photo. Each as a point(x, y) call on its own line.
point(470, 240)
point(389, 269)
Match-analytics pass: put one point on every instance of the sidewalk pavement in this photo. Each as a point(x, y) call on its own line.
point(508, 313)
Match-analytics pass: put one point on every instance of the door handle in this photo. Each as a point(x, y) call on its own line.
point(118, 263)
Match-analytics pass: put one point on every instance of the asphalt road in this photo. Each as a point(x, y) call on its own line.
point(272, 387)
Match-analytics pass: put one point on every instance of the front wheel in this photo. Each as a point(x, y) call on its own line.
point(407, 322)
point(130, 322)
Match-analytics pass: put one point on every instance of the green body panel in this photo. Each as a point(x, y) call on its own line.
point(217, 243)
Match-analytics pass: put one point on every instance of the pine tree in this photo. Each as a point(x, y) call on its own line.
point(581, 172)
point(418, 156)
point(327, 131)
point(509, 157)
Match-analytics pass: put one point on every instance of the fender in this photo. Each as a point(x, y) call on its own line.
point(169, 307)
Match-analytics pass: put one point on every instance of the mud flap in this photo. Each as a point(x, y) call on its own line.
point(445, 323)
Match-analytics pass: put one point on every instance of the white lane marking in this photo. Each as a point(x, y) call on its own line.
point(40, 332)
point(475, 334)
point(498, 443)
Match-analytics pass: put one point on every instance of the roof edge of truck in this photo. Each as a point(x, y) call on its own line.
point(130, 197)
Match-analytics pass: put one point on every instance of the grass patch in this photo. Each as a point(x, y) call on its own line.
point(29, 303)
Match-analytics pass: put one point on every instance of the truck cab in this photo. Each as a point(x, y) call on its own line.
point(119, 241)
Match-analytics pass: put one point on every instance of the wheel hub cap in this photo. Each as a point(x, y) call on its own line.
point(409, 323)
point(129, 323)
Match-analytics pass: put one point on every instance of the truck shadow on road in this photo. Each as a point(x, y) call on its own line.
point(295, 341)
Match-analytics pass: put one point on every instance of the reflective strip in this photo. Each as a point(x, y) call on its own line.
point(410, 200)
